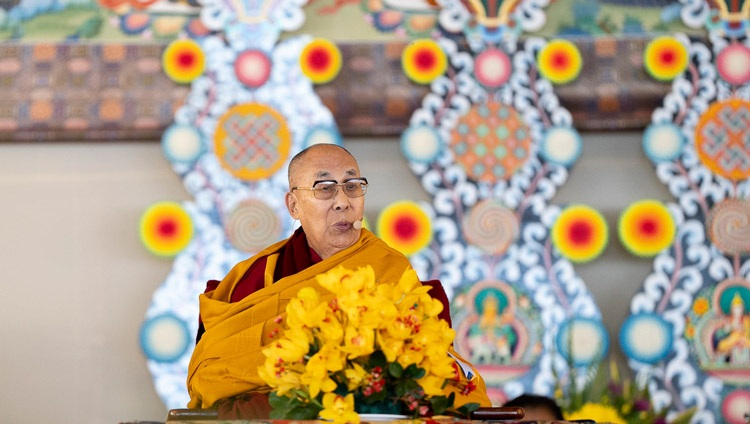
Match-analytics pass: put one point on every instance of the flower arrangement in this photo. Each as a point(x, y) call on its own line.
point(369, 348)
point(611, 399)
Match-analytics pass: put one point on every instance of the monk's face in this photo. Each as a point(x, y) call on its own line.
point(327, 223)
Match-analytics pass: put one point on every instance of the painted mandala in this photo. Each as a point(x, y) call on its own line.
point(491, 142)
point(722, 138)
point(252, 141)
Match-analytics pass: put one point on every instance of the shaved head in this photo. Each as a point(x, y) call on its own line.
point(297, 162)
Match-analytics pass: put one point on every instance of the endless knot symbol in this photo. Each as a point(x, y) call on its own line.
point(722, 138)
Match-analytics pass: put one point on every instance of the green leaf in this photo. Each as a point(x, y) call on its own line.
point(303, 412)
point(440, 404)
point(285, 407)
point(395, 369)
point(90, 28)
point(413, 371)
point(277, 401)
point(685, 416)
point(377, 359)
point(466, 409)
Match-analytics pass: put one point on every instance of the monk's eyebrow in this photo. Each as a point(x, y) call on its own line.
point(325, 174)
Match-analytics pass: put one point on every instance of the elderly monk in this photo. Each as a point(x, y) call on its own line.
point(326, 195)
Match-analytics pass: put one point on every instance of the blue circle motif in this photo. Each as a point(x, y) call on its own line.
point(422, 143)
point(646, 326)
point(323, 134)
point(182, 144)
point(598, 346)
point(663, 142)
point(153, 343)
point(561, 145)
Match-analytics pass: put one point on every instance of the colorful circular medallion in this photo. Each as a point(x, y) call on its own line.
point(166, 228)
point(183, 61)
point(583, 341)
point(491, 142)
point(182, 143)
point(561, 145)
point(252, 225)
point(665, 58)
point(735, 406)
point(165, 338)
point(722, 138)
point(323, 134)
point(560, 61)
point(252, 141)
point(252, 67)
point(733, 64)
point(421, 143)
point(423, 60)
point(728, 226)
point(646, 228)
point(646, 338)
point(405, 226)
point(491, 227)
point(580, 233)
point(663, 142)
point(492, 68)
point(320, 61)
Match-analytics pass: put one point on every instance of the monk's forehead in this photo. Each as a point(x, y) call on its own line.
point(327, 163)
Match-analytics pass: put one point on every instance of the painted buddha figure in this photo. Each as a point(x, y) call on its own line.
point(732, 341)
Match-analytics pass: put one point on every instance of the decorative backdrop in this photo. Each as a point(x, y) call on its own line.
point(488, 110)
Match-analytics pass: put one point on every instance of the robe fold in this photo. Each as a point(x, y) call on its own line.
point(226, 359)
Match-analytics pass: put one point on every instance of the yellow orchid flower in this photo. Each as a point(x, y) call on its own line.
point(359, 341)
point(317, 377)
point(390, 346)
point(279, 377)
point(331, 329)
point(432, 385)
point(339, 409)
point(410, 356)
point(355, 376)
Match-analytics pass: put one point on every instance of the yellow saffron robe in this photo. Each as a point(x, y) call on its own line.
point(226, 360)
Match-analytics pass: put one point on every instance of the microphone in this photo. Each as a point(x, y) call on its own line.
point(357, 225)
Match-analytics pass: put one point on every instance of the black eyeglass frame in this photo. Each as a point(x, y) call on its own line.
point(362, 182)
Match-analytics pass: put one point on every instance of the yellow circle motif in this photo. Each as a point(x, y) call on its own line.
point(166, 228)
point(665, 58)
point(423, 60)
point(320, 61)
point(183, 61)
point(405, 227)
point(560, 61)
point(580, 233)
point(646, 228)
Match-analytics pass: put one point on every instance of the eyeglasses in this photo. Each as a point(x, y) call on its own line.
point(326, 189)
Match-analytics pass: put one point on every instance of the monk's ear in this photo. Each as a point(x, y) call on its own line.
point(291, 205)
